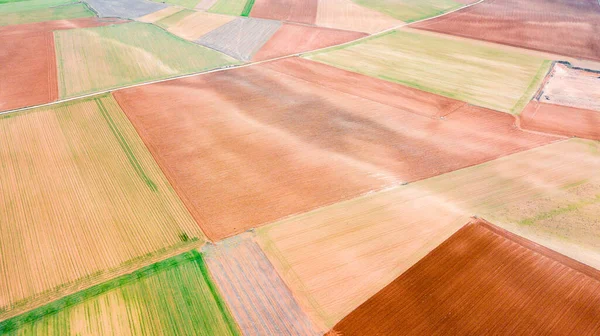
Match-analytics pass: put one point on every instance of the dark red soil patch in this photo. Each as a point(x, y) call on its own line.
point(563, 120)
point(565, 27)
point(484, 281)
point(303, 11)
point(248, 146)
point(292, 39)
point(403, 97)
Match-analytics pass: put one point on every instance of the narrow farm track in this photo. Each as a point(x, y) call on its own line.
point(233, 66)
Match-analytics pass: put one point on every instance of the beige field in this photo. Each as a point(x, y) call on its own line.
point(193, 26)
point(572, 87)
point(336, 257)
point(158, 15)
point(81, 196)
point(345, 14)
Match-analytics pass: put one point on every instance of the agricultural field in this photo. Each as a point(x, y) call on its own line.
point(228, 7)
point(173, 19)
point(172, 297)
point(182, 3)
point(560, 119)
point(159, 14)
point(572, 87)
point(484, 280)
point(562, 27)
point(96, 59)
point(258, 298)
point(126, 9)
point(447, 67)
point(61, 12)
point(346, 15)
point(302, 11)
point(343, 146)
point(81, 197)
point(413, 10)
point(194, 26)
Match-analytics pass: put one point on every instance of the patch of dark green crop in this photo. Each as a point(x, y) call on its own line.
point(247, 8)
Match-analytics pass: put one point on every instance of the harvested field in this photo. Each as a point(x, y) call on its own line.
point(303, 11)
point(258, 298)
point(255, 153)
point(563, 27)
point(336, 257)
point(240, 38)
point(549, 194)
point(563, 120)
point(481, 75)
point(206, 4)
point(172, 297)
point(345, 14)
point(174, 19)
point(27, 71)
point(567, 86)
point(45, 14)
point(50, 26)
point(81, 197)
point(399, 96)
point(413, 10)
point(159, 14)
point(291, 39)
point(128, 9)
point(194, 26)
point(230, 7)
point(94, 59)
point(484, 280)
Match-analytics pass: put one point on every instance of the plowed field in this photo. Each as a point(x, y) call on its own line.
point(345, 14)
point(303, 11)
point(563, 120)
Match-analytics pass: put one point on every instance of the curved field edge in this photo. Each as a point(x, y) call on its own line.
point(185, 259)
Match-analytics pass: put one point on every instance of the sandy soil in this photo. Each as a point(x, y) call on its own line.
point(259, 300)
point(292, 38)
point(563, 120)
point(484, 280)
point(194, 26)
point(160, 14)
point(303, 11)
point(345, 14)
point(564, 27)
point(572, 87)
point(252, 145)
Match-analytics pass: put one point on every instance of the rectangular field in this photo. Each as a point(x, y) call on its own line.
point(81, 197)
point(481, 75)
point(159, 14)
point(258, 298)
point(412, 10)
point(484, 280)
point(563, 120)
point(173, 19)
point(568, 86)
point(172, 297)
point(253, 145)
point(562, 27)
point(95, 59)
point(345, 14)
point(230, 7)
point(63, 12)
point(127, 9)
point(302, 11)
point(194, 26)
point(23, 6)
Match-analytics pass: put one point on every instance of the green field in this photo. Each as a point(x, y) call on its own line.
point(475, 73)
point(183, 3)
point(11, 6)
point(35, 14)
point(94, 59)
point(172, 297)
point(411, 10)
point(232, 7)
point(173, 19)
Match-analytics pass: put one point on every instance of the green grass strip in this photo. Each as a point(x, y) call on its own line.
point(532, 88)
point(128, 152)
point(248, 8)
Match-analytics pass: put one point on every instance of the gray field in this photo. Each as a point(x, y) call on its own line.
point(240, 38)
point(127, 9)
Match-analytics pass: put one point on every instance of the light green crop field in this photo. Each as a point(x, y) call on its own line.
point(183, 3)
point(411, 10)
point(11, 6)
point(172, 297)
point(81, 199)
point(100, 58)
point(231, 7)
point(65, 12)
point(482, 75)
point(173, 19)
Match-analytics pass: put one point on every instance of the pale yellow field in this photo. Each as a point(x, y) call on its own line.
point(81, 196)
point(161, 14)
point(193, 26)
point(346, 15)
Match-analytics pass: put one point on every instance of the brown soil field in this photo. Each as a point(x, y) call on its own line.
point(252, 145)
point(563, 120)
point(303, 11)
point(292, 39)
point(345, 14)
point(569, 86)
point(50, 26)
point(484, 280)
point(399, 96)
point(563, 27)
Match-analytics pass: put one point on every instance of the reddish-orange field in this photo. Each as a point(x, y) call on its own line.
point(303, 11)
point(563, 27)
point(28, 61)
point(563, 120)
point(403, 97)
point(484, 280)
point(292, 38)
point(252, 145)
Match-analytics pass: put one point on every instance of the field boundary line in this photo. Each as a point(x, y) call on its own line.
point(231, 67)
